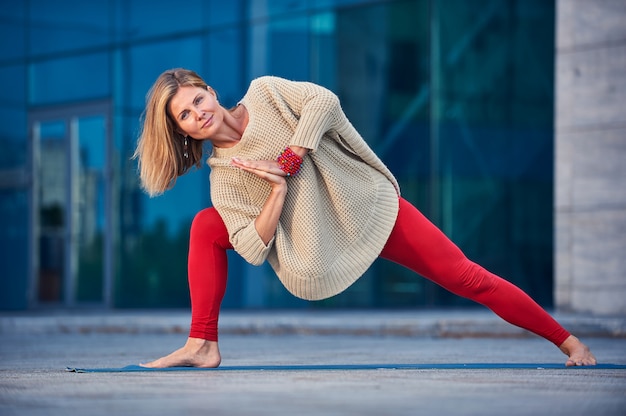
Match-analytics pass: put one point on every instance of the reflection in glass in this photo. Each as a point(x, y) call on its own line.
point(147, 61)
point(71, 208)
point(224, 12)
point(147, 18)
point(12, 115)
point(52, 196)
point(226, 44)
point(323, 49)
point(63, 25)
point(264, 9)
point(69, 79)
point(281, 48)
point(494, 159)
point(14, 219)
point(89, 211)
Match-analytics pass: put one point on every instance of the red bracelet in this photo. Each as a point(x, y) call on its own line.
point(289, 162)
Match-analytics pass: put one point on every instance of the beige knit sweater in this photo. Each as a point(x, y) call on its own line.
point(339, 210)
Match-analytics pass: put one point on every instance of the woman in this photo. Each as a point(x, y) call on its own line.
point(293, 183)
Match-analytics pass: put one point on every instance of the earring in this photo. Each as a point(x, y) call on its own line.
point(186, 148)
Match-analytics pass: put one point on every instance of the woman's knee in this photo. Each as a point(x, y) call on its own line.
point(472, 281)
point(208, 224)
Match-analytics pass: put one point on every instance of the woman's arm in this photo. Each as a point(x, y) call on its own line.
point(315, 110)
point(268, 170)
point(267, 221)
point(300, 151)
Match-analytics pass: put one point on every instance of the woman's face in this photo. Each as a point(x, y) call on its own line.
point(196, 112)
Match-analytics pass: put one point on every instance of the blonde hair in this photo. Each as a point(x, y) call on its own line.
point(160, 149)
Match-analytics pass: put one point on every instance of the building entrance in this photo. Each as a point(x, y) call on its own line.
point(71, 243)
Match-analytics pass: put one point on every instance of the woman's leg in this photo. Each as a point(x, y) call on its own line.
point(420, 246)
point(207, 273)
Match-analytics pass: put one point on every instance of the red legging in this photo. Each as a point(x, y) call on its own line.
point(414, 243)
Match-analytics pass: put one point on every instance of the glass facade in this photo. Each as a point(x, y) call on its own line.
point(456, 97)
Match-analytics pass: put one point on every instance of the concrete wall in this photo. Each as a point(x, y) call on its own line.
point(590, 140)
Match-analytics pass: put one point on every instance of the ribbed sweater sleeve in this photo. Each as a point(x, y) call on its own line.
point(251, 247)
point(241, 212)
point(315, 107)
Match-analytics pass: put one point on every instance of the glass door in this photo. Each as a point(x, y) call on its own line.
point(70, 206)
point(51, 212)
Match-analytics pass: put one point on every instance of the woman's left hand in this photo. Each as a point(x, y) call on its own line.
point(268, 218)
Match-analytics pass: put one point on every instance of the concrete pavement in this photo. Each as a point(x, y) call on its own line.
point(36, 348)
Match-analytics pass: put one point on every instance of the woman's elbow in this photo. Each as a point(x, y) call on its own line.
point(255, 260)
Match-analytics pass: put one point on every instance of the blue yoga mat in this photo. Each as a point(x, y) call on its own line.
point(330, 367)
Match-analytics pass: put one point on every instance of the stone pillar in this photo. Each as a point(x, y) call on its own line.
point(590, 148)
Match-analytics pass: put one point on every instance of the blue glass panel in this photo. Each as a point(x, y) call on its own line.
point(262, 9)
point(339, 3)
point(493, 123)
point(89, 212)
point(222, 12)
point(147, 18)
point(13, 249)
point(226, 71)
point(13, 91)
point(12, 30)
point(191, 188)
point(147, 62)
point(13, 142)
point(324, 49)
point(281, 48)
point(63, 25)
point(82, 77)
point(154, 251)
point(52, 211)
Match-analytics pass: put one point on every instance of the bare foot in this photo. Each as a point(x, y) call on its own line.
point(578, 353)
point(196, 352)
